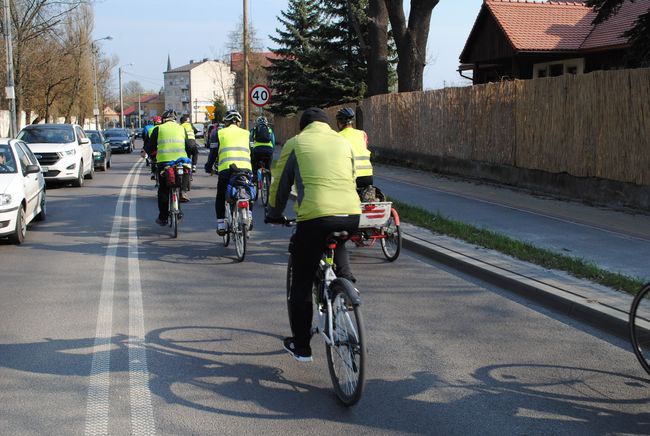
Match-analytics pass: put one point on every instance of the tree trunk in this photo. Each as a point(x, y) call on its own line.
point(378, 39)
point(411, 41)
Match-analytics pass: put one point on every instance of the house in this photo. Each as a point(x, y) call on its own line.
point(517, 39)
point(190, 89)
point(257, 74)
point(150, 106)
point(111, 118)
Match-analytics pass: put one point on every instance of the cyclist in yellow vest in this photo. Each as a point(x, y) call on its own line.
point(359, 141)
point(321, 164)
point(262, 140)
point(231, 147)
point(168, 142)
point(191, 135)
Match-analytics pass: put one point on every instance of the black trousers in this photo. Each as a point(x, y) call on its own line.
point(307, 246)
point(163, 194)
point(364, 181)
point(261, 154)
point(220, 201)
point(195, 155)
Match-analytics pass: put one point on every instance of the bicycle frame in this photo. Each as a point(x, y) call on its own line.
point(326, 265)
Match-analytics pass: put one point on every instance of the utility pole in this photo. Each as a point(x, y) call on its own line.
point(139, 113)
point(119, 75)
point(10, 91)
point(245, 64)
point(94, 55)
point(121, 100)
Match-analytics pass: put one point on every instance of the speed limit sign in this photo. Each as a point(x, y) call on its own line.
point(260, 95)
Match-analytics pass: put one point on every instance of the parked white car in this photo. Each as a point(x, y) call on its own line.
point(22, 190)
point(63, 151)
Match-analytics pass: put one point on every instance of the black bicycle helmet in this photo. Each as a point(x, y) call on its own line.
point(261, 121)
point(232, 116)
point(169, 114)
point(184, 118)
point(345, 115)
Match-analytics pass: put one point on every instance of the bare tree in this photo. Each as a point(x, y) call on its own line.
point(411, 40)
point(32, 21)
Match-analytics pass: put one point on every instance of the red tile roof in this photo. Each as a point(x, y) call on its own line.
point(237, 59)
point(561, 26)
point(609, 33)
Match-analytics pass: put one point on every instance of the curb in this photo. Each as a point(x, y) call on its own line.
point(561, 300)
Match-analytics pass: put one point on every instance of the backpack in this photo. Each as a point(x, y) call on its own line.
point(240, 186)
point(262, 133)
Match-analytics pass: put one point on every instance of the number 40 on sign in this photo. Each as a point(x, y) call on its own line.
point(260, 95)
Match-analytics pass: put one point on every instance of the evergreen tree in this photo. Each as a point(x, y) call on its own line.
point(297, 76)
point(344, 32)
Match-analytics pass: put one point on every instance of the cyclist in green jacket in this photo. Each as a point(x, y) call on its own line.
point(321, 164)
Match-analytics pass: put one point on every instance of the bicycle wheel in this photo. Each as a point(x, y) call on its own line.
point(392, 243)
point(173, 211)
point(640, 326)
point(266, 186)
point(228, 220)
point(240, 235)
point(346, 357)
point(289, 281)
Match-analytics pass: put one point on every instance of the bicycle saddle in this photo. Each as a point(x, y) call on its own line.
point(337, 237)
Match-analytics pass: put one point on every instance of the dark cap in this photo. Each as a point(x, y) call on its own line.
point(313, 114)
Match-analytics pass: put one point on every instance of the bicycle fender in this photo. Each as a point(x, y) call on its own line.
point(349, 289)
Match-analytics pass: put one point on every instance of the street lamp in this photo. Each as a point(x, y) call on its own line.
point(121, 100)
point(94, 55)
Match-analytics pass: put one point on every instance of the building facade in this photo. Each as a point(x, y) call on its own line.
point(191, 88)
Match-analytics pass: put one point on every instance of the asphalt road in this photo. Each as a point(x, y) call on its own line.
point(109, 326)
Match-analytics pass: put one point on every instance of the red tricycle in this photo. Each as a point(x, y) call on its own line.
point(379, 221)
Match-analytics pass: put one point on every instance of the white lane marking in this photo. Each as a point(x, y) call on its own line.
point(142, 420)
point(518, 209)
point(98, 388)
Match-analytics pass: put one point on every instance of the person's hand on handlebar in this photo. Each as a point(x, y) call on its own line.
point(275, 220)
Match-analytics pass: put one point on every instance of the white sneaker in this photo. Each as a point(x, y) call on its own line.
point(221, 227)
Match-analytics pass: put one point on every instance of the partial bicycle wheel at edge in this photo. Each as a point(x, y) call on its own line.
point(346, 358)
point(640, 326)
point(391, 244)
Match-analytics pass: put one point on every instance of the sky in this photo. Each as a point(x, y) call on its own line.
point(145, 32)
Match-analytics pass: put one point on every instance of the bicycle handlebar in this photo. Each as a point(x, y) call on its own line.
point(287, 222)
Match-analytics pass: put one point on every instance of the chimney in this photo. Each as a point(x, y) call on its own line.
point(205, 60)
point(191, 61)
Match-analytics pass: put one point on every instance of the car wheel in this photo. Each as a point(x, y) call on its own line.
point(91, 174)
point(21, 228)
point(79, 181)
point(43, 213)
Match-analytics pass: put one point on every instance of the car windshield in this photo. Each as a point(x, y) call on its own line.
point(47, 134)
point(94, 137)
point(98, 146)
point(116, 134)
point(7, 161)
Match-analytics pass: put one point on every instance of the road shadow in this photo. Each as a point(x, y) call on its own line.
point(244, 373)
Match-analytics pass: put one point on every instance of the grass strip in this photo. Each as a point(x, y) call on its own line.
point(517, 249)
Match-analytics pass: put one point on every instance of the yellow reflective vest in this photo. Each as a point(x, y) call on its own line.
point(233, 148)
point(357, 138)
point(171, 142)
point(321, 164)
point(190, 130)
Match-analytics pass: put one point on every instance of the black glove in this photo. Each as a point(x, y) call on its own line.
point(274, 220)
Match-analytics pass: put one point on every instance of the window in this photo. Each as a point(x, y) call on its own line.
point(556, 70)
point(22, 158)
point(7, 162)
point(541, 73)
point(572, 70)
point(28, 153)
